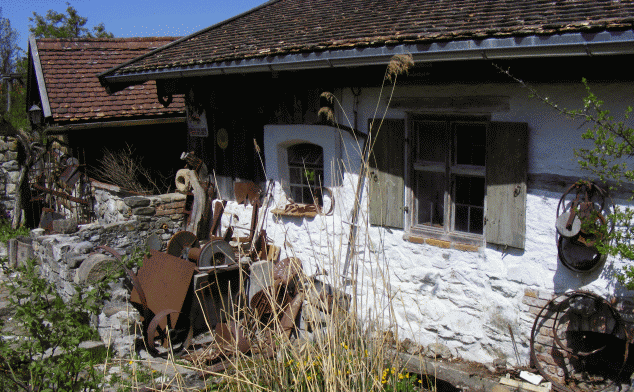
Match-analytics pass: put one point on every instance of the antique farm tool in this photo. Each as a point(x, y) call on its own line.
point(182, 243)
point(165, 282)
point(580, 224)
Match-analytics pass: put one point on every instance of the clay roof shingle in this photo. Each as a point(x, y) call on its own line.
point(300, 26)
point(70, 66)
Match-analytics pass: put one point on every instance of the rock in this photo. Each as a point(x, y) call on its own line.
point(95, 268)
point(410, 347)
point(136, 201)
point(437, 350)
point(144, 211)
point(11, 166)
point(65, 226)
point(499, 363)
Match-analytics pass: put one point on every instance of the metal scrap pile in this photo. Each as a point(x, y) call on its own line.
point(209, 281)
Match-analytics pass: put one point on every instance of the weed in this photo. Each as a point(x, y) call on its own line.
point(43, 353)
point(7, 232)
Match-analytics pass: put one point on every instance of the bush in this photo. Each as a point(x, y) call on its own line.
point(44, 353)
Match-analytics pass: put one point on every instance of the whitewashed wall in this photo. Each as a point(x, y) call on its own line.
point(464, 300)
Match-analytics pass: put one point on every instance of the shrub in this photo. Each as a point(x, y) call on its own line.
point(44, 354)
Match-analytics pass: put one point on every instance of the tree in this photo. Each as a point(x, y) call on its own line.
point(13, 73)
point(69, 25)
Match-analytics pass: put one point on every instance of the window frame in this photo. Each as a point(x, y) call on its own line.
point(449, 169)
point(318, 182)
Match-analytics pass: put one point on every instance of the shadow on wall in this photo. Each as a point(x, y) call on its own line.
point(567, 279)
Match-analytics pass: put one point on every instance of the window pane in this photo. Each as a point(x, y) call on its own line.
point(469, 190)
point(295, 176)
point(470, 144)
point(431, 140)
point(461, 220)
point(306, 154)
point(430, 198)
point(469, 204)
point(476, 223)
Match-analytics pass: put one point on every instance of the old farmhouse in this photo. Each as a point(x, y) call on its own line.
point(451, 232)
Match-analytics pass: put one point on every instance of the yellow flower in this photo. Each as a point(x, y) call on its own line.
point(383, 381)
point(131, 362)
point(407, 375)
point(345, 346)
point(400, 376)
point(308, 378)
point(420, 381)
point(366, 353)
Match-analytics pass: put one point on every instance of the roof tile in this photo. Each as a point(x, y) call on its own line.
point(70, 67)
point(291, 26)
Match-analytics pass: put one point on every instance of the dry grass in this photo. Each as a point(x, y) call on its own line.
point(399, 64)
point(346, 349)
point(125, 169)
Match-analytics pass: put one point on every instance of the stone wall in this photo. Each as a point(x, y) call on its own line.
point(9, 173)
point(62, 254)
point(69, 259)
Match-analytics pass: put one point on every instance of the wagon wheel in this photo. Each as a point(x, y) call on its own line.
point(175, 337)
point(583, 204)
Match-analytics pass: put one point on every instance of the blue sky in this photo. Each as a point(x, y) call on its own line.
point(131, 18)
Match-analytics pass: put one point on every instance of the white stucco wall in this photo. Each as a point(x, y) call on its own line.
point(464, 300)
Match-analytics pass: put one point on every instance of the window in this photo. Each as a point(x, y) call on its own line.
point(448, 170)
point(306, 172)
point(467, 180)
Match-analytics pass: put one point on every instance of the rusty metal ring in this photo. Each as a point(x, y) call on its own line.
point(555, 326)
point(557, 386)
point(153, 329)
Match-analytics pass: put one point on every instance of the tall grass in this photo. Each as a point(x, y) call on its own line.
point(345, 336)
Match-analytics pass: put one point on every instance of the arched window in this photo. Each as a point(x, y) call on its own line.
point(306, 172)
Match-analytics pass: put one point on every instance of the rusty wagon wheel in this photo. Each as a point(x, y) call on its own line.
point(172, 336)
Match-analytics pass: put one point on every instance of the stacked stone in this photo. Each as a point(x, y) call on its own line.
point(9, 172)
point(62, 254)
point(69, 259)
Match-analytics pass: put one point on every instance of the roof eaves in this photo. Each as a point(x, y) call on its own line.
point(537, 45)
point(39, 76)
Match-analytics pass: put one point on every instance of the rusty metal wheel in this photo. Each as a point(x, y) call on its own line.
point(168, 333)
point(180, 244)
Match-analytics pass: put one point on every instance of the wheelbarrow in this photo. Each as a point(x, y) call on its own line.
point(176, 298)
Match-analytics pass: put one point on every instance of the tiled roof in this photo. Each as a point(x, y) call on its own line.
point(70, 66)
point(299, 26)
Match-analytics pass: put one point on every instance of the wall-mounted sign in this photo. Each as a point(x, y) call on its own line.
point(222, 138)
point(197, 122)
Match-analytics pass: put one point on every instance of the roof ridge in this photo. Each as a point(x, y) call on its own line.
point(115, 39)
point(219, 24)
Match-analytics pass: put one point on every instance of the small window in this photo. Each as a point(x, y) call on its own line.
point(448, 170)
point(306, 173)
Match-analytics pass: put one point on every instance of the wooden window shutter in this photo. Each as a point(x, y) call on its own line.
point(507, 150)
point(386, 173)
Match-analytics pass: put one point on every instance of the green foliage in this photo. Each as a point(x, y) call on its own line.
point(45, 353)
point(7, 232)
point(607, 160)
point(12, 91)
point(69, 25)
point(612, 149)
